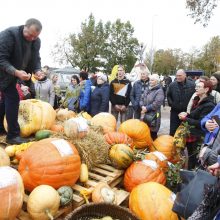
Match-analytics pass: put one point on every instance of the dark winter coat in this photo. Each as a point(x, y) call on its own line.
point(115, 86)
point(100, 99)
point(12, 54)
point(152, 99)
point(179, 94)
point(198, 113)
point(135, 95)
point(210, 135)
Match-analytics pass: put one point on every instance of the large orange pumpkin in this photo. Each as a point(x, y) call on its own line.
point(138, 131)
point(106, 120)
point(151, 201)
point(142, 172)
point(34, 115)
point(165, 145)
point(114, 137)
point(51, 161)
point(11, 193)
point(159, 158)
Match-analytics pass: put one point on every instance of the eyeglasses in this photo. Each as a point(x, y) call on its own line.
point(199, 87)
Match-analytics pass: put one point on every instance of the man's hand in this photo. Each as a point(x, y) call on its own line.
point(21, 74)
point(211, 125)
point(123, 108)
point(117, 108)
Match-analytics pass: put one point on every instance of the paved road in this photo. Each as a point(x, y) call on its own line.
point(165, 121)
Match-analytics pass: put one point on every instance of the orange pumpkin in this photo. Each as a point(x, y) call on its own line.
point(11, 193)
point(51, 161)
point(142, 172)
point(159, 158)
point(106, 120)
point(150, 201)
point(165, 145)
point(57, 128)
point(138, 131)
point(114, 137)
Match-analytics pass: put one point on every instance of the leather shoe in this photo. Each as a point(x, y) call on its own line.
point(2, 132)
point(16, 140)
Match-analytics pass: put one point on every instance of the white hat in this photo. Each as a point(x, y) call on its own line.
point(155, 77)
point(102, 76)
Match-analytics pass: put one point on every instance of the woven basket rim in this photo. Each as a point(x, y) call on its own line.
point(102, 205)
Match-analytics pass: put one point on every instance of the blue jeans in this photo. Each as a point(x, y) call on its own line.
point(9, 105)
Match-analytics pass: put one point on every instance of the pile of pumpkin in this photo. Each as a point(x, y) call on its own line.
point(52, 163)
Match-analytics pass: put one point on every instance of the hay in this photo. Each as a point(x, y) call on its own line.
point(93, 148)
point(3, 141)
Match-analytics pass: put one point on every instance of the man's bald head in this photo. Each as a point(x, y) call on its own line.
point(180, 75)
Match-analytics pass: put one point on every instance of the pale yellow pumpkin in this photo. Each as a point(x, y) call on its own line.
point(4, 158)
point(34, 115)
point(11, 193)
point(84, 115)
point(65, 114)
point(106, 120)
point(43, 202)
point(76, 127)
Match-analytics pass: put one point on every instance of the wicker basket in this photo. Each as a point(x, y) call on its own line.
point(99, 210)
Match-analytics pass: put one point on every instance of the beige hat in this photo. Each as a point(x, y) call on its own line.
point(155, 77)
point(102, 76)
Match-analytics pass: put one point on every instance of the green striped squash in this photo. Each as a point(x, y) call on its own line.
point(121, 155)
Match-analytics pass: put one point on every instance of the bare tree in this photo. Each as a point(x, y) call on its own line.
point(201, 10)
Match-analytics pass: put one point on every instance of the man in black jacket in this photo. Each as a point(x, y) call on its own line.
point(178, 96)
point(19, 58)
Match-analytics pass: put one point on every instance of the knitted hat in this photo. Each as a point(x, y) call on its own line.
point(102, 76)
point(155, 77)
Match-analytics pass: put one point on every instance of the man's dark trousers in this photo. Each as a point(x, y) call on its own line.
point(174, 121)
point(9, 105)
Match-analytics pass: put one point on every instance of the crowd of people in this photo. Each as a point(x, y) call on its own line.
point(192, 102)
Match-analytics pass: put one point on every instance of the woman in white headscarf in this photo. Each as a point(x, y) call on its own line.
point(150, 103)
point(100, 95)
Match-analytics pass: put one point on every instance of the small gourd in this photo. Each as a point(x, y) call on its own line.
point(84, 174)
point(42, 134)
point(103, 193)
point(66, 195)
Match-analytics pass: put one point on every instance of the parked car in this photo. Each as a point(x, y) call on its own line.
point(64, 77)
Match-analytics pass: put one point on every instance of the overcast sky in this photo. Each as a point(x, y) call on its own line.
point(172, 28)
